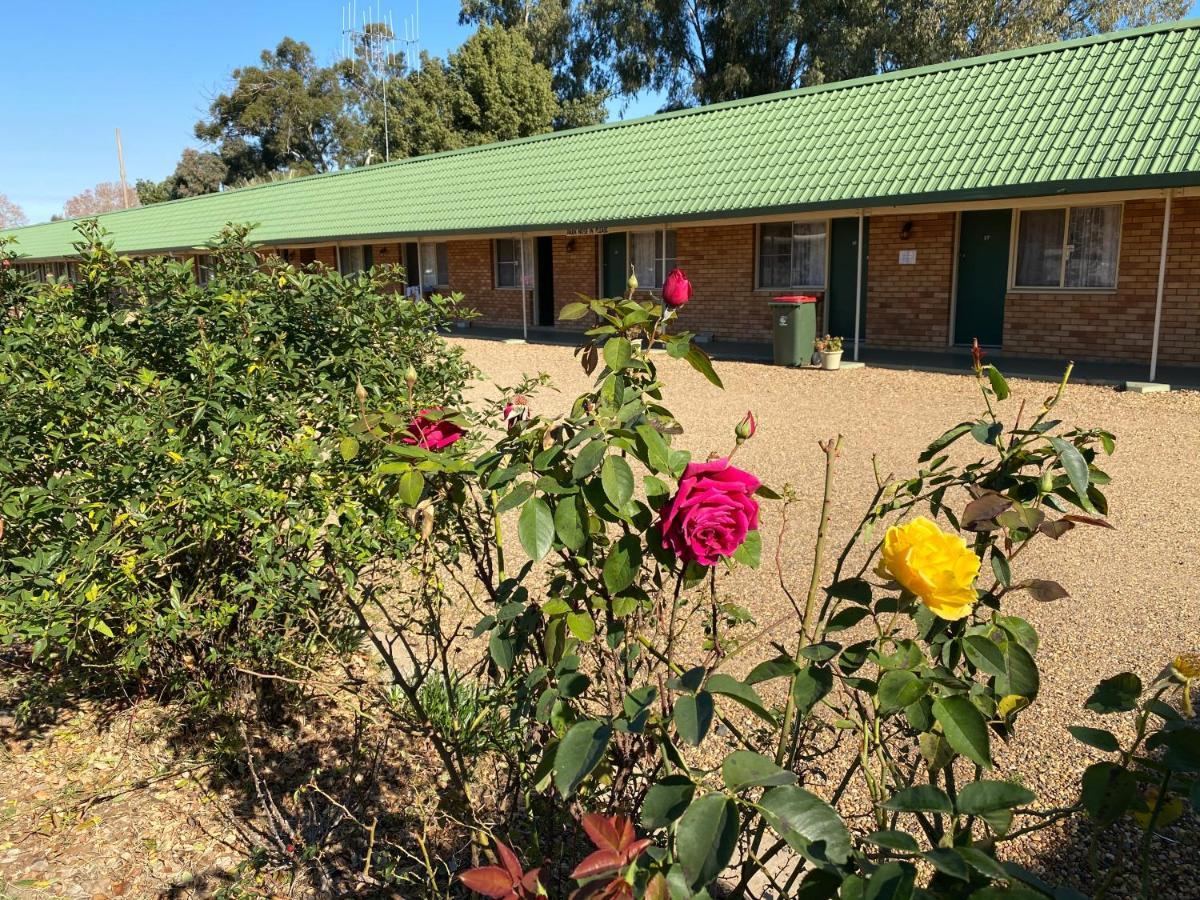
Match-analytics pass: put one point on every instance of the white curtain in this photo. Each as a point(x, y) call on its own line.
point(1092, 238)
point(1040, 247)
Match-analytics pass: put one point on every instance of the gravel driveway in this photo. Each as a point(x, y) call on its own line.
point(1133, 601)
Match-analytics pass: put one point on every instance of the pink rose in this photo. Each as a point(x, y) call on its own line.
point(677, 290)
point(711, 513)
point(516, 411)
point(431, 431)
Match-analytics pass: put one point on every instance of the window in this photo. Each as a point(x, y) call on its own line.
point(652, 255)
point(1074, 247)
point(508, 262)
point(352, 260)
point(204, 269)
point(434, 262)
point(791, 255)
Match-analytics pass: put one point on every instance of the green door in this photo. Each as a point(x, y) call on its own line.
point(843, 273)
point(616, 268)
point(982, 276)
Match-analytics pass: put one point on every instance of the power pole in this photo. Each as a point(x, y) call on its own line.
point(121, 163)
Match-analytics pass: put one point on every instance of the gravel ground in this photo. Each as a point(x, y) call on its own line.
point(1133, 590)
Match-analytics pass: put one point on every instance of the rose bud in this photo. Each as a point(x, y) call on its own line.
point(360, 392)
point(410, 378)
point(516, 411)
point(745, 429)
point(632, 283)
point(677, 290)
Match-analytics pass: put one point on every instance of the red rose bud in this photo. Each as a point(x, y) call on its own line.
point(516, 411)
point(745, 429)
point(677, 290)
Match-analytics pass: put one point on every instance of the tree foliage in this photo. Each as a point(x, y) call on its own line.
point(705, 51)
point(11, 214)
point(196, 173)
point(107, 196)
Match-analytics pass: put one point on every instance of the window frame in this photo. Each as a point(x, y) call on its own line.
point(368, 258)
point(530, 263)
point(759, 286)
point(1062, 287)
point(665, 259)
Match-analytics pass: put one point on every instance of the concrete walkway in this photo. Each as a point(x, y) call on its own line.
point(955, 361)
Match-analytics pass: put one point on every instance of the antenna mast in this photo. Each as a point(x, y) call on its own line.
point(369, 40)
point(121, 165)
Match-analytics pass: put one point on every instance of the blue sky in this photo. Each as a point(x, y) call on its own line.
point(73, 71)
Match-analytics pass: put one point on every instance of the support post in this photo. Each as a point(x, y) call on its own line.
point(524, 304)
point(420, 272)
point(1162, 279)
point(858, 285)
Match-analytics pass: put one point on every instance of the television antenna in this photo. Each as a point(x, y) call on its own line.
point(369, 40)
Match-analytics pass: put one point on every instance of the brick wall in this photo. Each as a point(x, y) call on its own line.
point(576, 272)
point(909, 305)
point(1120, 324)
point(719, 261)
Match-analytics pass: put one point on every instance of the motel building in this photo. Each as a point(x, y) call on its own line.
point(1045, 202)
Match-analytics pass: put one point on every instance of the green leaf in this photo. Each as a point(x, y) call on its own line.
point(920, 798)
point(412, 483)
point(693, 714)
point(699, 361)
point(894, 840)
point(573, 311)
point(946, 861)
point(348, 447)
point(617, 353)
point(1076, 468)
point(500, 648)
point(999, 385)
point(809, 824)
point(570, 523)
point(778, 667)
point(579, 753)
point(1000, 568)
point(891, 881)
point(809, 688)
point(744, 768)
point(984, 654)
point(856, 590)
point(101, 626)
point(706, 837)
point(983, 863)
point(898, 688)
point(535, 528)
point(666, 801)
point(582, 625)
point(750, 551)
point(1021, 673)
point(979, 797)
point(621, 566)
point(617, 479)
point(1108, 791)
point(729, 686)
point(1117, 694)
point(945, 441)
point(587, 460)
point(658, 452)
point(965, 728)
point(514, 498)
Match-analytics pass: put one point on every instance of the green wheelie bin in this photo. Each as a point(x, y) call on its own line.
point(795, 319)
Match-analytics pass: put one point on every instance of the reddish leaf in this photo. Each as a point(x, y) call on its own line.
point(491, 881)
point(980, 512)
point(515, 870)
point(601, 862)
point(1045, 591)
point(634, 850)
point(657, 889)
point(1056, 529)
point(530, 882)
point(606, 832)
point(1089, 520)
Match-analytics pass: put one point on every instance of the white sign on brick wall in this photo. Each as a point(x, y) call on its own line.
point(908, 257)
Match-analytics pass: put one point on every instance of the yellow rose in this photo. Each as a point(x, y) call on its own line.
point(936, 566)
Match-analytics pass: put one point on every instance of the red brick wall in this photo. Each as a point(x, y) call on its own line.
point(719, 261)
point(1120, 324)
point(909, 305)
point(576, 272)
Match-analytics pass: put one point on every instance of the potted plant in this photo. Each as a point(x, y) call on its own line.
point(830, 349)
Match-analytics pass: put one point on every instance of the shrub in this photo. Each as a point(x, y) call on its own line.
point(611, 646)
point(182, 493)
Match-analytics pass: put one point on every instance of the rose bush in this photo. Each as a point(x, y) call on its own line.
point(610, 646)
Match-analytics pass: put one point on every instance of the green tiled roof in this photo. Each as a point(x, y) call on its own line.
point(1103, 113)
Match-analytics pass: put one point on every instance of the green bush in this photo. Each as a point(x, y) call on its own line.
point(181, 494)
